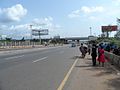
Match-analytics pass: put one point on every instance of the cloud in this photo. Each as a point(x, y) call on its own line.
point(74, 14)
point(46, 22)
point(97, 9)
point(20, 30)
point(57, 26)
point(92, 18)
point(12, 14)
point(22, 26)
point(15, 31)
point(86, 10)
point(116, 2)
point(2, 26)
point(23, 30)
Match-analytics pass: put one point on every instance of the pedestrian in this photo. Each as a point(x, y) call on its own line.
point(89, 49)
point(108, 48)
point(116, 51)
point(82, 50)
point(101, 56)
point(94, 54)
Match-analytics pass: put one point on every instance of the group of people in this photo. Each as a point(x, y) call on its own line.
point(116, 51)
point(112, 48)
point(97, 53)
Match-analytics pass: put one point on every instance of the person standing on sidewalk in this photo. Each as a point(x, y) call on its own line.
point(101, 57)
point(94, 54)
point(82, 50)
point(89, 49)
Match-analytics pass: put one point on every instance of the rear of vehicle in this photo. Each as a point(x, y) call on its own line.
point(73, 45)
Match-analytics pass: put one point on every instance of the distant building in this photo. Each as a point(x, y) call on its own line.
point(92, 38)
point(57, 37)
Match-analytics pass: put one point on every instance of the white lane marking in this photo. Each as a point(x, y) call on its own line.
point(14, 57)
point(40, 59)
point(67, 76)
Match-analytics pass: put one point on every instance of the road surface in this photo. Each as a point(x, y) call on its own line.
point(35, 69)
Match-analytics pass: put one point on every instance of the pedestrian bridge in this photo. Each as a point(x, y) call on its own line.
point(76, 38)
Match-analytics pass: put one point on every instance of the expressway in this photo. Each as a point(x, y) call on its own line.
point(35, 69)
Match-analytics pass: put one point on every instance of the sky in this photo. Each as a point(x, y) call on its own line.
point(67, 18)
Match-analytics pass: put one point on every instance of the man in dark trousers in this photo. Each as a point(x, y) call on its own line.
point(94, 54)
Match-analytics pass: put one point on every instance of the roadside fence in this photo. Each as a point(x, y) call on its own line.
point(113, 59)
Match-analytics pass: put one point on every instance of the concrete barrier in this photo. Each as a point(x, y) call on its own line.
point(113, 59)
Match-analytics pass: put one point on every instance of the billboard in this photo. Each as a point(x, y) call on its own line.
point(109, 28)
point(37, 32)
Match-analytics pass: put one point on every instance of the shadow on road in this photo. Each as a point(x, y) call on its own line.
point(76, 57)
point(88, 59)
point(83, 66)
point(115, 83)
point(103, 71)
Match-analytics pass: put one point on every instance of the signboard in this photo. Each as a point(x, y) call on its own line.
point(109, 28)
point(38, 32)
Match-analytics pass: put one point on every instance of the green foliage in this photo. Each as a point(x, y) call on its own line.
point(111, 40)
point(8, 39)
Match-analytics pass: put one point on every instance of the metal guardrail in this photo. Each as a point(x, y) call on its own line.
point(16, 44)
point(113, 59)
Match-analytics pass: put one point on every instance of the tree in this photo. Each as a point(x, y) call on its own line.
point(8, 39)
point(117, 35)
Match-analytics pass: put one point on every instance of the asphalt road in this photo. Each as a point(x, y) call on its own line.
point(35, 69)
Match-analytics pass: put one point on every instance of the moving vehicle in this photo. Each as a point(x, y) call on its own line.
point(73, 44)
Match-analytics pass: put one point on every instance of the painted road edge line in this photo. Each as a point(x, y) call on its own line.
point(67, 76)
point(40, 59)
point(14, 57)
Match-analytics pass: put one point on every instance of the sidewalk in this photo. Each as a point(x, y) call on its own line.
point(86, 77)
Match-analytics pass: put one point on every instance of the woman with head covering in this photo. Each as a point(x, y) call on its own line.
point(101, 56)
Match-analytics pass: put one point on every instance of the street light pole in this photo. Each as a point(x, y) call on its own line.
point(90, 31)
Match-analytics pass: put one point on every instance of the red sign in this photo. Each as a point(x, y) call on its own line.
point(109, 28)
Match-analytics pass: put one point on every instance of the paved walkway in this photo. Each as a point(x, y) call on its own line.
point(87, 77)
